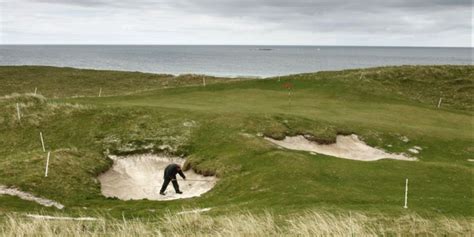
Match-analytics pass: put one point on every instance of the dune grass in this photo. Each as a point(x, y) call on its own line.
point(220, 129)
point(56, 82)
point(308, 223)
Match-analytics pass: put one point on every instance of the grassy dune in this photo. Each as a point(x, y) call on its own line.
point(139, 112)
point(308, 223)
point(55, 82)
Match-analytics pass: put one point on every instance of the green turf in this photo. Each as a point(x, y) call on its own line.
point(381, 105)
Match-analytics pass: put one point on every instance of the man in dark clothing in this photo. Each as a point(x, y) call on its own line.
point(170, 176)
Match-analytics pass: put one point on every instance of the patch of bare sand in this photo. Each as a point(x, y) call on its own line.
point(347, 147)
point(195, 211)
point(141, 176)
point(29, 197)
point(45, 217)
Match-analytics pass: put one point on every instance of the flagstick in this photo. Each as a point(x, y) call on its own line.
point(289, 99)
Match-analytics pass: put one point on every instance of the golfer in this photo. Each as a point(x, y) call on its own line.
point(170, 176)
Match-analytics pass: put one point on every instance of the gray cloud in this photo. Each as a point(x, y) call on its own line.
point(83, 3)
point(425, 21)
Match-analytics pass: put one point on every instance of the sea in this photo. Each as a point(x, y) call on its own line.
point(228, 60)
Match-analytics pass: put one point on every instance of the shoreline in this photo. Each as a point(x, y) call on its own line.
point(229, 76)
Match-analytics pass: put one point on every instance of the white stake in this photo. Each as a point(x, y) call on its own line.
point(406, 194)
point(18, 111)
point(204, 81)
point(47, 164)
point(439, 102)
point(36, 89)
point(100, 92)
point(42, 141)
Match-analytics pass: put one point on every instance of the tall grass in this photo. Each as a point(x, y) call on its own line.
point(311, 223)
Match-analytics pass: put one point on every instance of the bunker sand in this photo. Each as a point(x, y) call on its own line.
point(347, 147)
point(141, 176)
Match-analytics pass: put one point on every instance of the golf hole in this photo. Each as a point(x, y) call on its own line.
point(139, 177)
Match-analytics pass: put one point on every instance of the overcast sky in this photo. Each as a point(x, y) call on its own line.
point(267, 22)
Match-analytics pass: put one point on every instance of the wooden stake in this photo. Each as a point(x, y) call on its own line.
point(100, 92)
point(18, 111)
point(42, 141)
point(439, 102)
point(47, 164)
point(406, 194)
point(36, 89)
point(204, 81)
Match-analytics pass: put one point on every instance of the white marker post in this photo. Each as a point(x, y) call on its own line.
point(18, 111)
point(100, 92)
point(42, 141)
point(47, 164)
point(406, 194)
point(36, 89)
point(439, 102)
point(204, 81)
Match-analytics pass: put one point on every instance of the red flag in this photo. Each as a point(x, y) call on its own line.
point(288, 85)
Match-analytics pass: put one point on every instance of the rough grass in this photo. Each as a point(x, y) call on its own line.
point(427, 84)
point(55, 82)
point(309, 223)
point(220, 127)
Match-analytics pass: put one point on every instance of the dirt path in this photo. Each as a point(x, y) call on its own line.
point(29, 197)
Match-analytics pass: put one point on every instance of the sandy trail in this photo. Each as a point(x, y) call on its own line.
point(45, 217)
point(141, 176)
point(29, 197)
point(347, 147)
point(195, 211)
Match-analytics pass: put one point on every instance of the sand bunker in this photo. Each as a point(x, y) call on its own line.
point(347, 147)
point(29, 197)
point(141, 176)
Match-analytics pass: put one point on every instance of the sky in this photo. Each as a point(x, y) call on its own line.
point(234, 22)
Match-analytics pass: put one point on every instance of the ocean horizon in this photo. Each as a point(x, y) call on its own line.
point(230, 60)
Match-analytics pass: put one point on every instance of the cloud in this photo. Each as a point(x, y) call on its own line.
point(369, 22)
